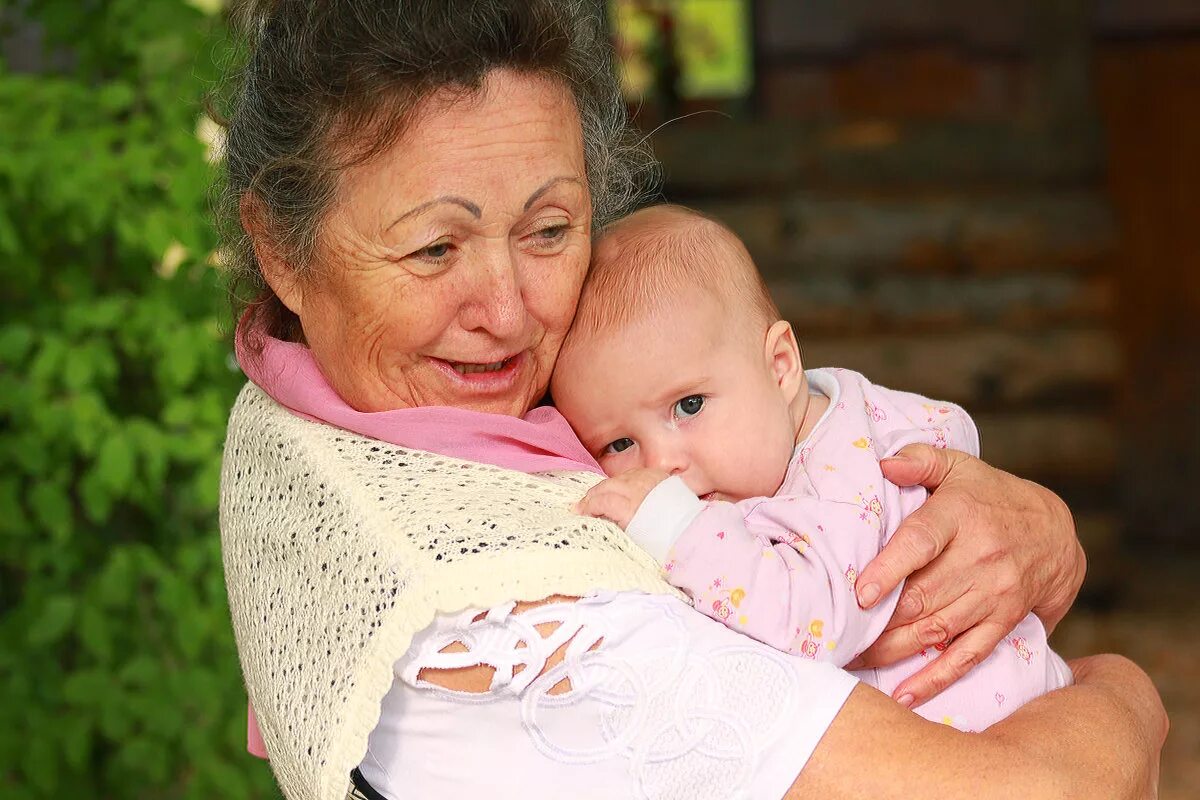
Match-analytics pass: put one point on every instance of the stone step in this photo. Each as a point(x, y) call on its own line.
point(811, 232)
point(840, 305)
point(986, 370)
point(720, 155)
point(1051, 446)
point(1100, 534)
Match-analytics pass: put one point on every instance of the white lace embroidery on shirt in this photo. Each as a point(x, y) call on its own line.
point(672, 712)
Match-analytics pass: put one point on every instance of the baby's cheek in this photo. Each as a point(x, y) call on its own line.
point(617, 464)
point(762, 468)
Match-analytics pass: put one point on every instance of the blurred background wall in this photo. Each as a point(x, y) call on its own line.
point(991, 202)
point(995, 203)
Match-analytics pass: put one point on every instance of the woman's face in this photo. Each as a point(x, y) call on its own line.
point(453, 261)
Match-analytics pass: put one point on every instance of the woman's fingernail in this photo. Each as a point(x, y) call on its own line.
point(896, 459)
point(854, 664)
point(906, 700)
point(867, 595)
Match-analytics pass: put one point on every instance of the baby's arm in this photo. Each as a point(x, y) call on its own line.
point(779, 569)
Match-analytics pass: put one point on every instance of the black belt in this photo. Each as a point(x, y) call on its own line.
point(360, 789)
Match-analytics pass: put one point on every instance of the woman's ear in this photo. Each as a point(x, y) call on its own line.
point(278, 274)
point(783, 359)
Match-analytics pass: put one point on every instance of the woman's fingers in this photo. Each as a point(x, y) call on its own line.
point(938, 628)
point(919, 539)
point(965, 652)
point(920, 465)
point(922, 536)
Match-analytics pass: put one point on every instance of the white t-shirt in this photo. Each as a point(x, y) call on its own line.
point(653, 700)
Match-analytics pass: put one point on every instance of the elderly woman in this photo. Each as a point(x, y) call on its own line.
point(414, 602)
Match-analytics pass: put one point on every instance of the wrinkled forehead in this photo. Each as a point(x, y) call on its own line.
point(513, 132)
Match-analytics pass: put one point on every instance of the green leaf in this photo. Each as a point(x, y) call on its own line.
point(96, 497)
point(75, 731)
point(116, 96)
point(51, 508)
point(48, 359)
point(114, 463)
point(116, 582)
point(40, 764)
point(87, 688)
point(53, 622)
point(12, 516)
point(77, 369)
point(95, 633)
point(16, 341)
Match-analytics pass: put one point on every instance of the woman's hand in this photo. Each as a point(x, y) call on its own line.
point(984, 550)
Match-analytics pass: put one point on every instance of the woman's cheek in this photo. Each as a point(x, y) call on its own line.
point(569, 270)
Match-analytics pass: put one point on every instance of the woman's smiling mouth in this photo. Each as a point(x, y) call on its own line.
point(471, 369)
point(486, 377)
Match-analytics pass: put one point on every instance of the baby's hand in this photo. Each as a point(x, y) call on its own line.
point(618, 498)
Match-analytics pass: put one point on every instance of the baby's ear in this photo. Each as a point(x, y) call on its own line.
point(783, 359)
point(278, 274)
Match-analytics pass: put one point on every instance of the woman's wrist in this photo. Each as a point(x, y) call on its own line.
point(1063, 586)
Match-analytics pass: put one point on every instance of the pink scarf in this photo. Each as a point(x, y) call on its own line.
point(541, 441)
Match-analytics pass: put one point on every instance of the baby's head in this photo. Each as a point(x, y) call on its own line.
point(677, 359)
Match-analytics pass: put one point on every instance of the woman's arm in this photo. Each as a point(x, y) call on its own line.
point(984, 550)
point(1097, 739)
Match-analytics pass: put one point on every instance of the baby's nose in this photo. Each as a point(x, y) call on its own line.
point(670, 460)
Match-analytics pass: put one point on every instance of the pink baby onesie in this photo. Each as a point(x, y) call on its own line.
point(782, 569)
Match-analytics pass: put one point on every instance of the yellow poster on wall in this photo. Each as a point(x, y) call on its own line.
point(636, 35)
point(713, 45)
point(705, 45)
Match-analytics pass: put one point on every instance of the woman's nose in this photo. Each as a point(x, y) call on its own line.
point(497, 305)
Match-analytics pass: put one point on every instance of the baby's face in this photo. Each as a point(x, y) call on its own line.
point(684, 391)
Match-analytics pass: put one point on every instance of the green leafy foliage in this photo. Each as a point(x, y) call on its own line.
point(117, 663)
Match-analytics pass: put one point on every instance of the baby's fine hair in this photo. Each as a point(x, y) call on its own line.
point(647, 260)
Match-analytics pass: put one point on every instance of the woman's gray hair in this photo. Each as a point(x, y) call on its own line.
point(330, 83)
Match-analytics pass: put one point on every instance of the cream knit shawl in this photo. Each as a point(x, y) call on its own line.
point(338, 548)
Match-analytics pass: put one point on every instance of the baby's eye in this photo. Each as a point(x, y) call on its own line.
point(689, 406)
point(618, 446)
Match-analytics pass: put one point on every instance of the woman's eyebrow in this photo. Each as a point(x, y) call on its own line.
point(547, 186)
point(475, 210)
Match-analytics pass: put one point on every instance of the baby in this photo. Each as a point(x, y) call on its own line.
point(756, 484)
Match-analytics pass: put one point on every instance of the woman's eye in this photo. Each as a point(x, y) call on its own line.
point(619, 446)
point(551, 235)
point(435, 251)
point(689, 406)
